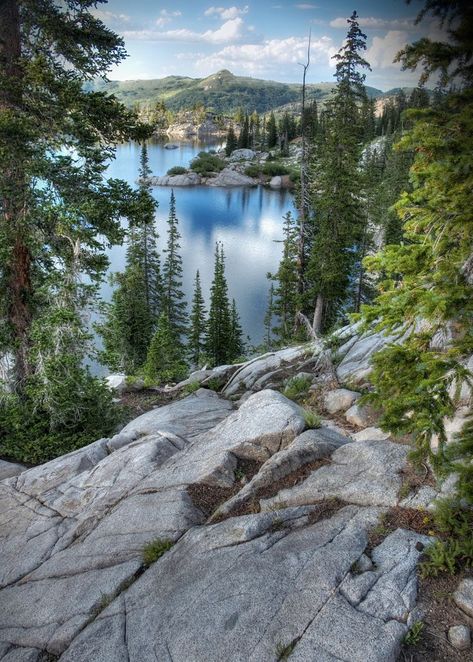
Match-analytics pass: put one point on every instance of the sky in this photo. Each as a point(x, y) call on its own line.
point(260, 38)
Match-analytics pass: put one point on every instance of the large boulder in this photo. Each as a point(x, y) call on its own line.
point(365, 473)
point(339, 399)
point(242, 155)
point(230, 177)
point(188, 179)
point(253, 372)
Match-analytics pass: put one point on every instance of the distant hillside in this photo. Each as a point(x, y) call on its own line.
point(223, 92)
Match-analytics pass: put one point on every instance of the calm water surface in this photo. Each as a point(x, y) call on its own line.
point(247, 220)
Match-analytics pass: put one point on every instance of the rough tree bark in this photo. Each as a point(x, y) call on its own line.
point(17, 268)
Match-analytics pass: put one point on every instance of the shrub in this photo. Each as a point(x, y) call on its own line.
point(295, 176)
point(414, 635)
point(274, 169)
point(312, 420)
point(155, 549)
point(205, 163)
point(28, 434)
point(177, 170)
point(253, 171)
point(190, 388)
point(296, 388)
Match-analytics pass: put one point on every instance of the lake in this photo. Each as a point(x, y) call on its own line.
point(247, 220)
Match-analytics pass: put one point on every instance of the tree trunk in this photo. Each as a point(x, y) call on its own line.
point(318, 315)
point(304, 193)
point(13, 197)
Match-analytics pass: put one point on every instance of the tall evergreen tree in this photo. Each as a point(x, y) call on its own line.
point(271, 132)
point(56, 139)
point(219, 329)
point(196, 343)
point(285, 301)
point(173, 303)
point(165, 360)
point(231, 142)
point(236, 345)
point(244, 137)
point(339, 219)
point(132, 315)
point(268, 318)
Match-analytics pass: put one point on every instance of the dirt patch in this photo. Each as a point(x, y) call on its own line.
point(440, 613)
point(294, 478)
point(208, 498)
point(414, 478)
point(139, 402)
point(399, 518)
point(326, 509)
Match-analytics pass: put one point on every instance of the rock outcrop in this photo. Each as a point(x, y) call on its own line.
point(263, 526)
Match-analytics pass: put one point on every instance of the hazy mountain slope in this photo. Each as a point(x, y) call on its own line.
point(223, 92)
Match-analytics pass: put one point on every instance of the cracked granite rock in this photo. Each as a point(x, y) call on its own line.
point(362, 472)
point(241, 589)
point(85, 518)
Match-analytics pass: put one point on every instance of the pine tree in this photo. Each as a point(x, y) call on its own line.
point(132, 315)
point(244, 137)
point(56, 139)
point(235, 345)
point(428, 276)
point(165, 361)
point(285, 301)
point(196, 344)
point(217, 339)
point(231, 142)
point(173, 303)
point(268, 318)
point(338, 217)
point(271, 132)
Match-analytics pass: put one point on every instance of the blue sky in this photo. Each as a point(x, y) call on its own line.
point(259, 38)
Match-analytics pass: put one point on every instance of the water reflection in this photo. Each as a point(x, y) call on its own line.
point(247, 220)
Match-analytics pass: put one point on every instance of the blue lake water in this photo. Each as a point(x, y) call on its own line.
point(247, 220)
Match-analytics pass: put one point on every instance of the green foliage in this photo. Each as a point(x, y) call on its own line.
point(223, 338)
point(214, 384)
point(454, 550)
point(190, 388)
point(414, 636)
point(339, 220)
point(231, 143)
point(198, 325)
point(271, 132)
point(84, 413)
point(253, 170)
point(297, 387)
point(177, 170)
point(131, 316)
point(285, 293)
point(273, 169)
point(173, 302)
point(205, 163)
point(153, 550)
point(164, 361)
point(312, 420)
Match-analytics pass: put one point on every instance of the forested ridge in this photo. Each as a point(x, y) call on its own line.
point(382, 236)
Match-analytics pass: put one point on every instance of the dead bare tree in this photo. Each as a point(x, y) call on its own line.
point(304, 193)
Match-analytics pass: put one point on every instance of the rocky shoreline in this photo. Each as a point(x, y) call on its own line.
point(233, 174)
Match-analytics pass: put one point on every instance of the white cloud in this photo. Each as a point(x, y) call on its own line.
point(376, 23)
point(230, 31)
point(306, 5)
point(267, 56)
point(226, 13)
point(170, 14)
point(384, 49)
point(109, 17)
